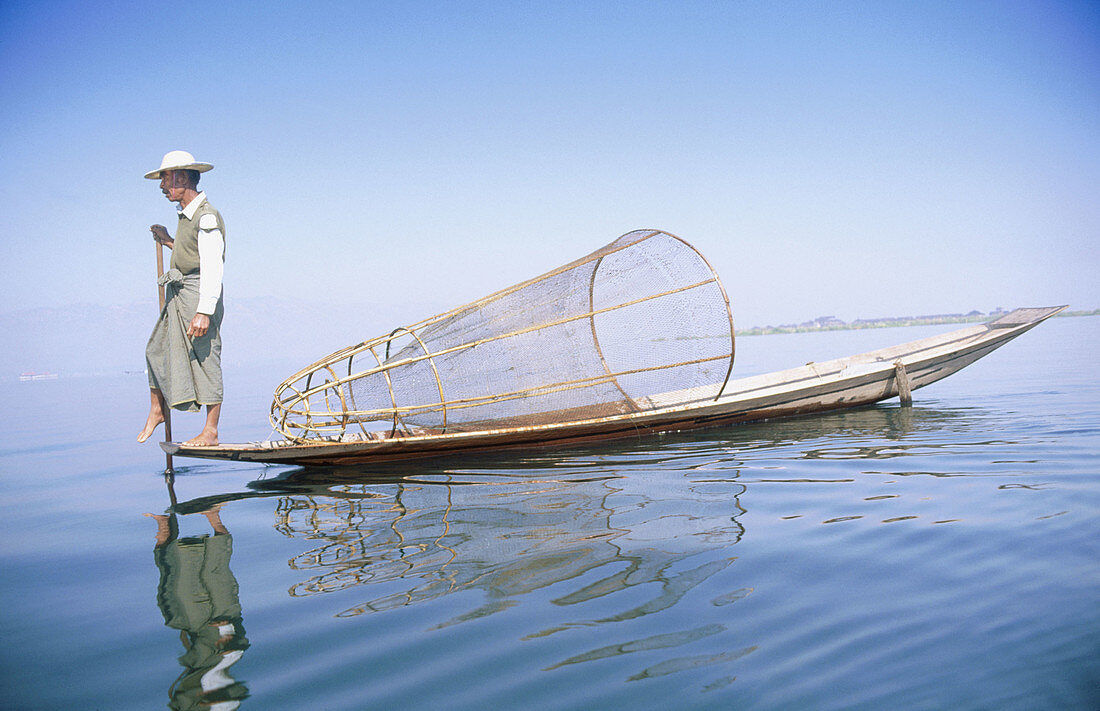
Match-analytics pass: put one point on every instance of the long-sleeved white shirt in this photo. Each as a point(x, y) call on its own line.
point(211, 253)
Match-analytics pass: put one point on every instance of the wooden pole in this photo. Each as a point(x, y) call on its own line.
point(164, 409)
point(905, 392)
point(160, 273)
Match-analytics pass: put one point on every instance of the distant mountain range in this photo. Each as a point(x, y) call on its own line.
point(831, 323)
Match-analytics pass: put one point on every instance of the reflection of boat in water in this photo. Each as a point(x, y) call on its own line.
point(404, 534)
point(636, 338)
point(638, 525)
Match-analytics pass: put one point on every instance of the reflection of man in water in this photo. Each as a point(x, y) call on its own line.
point(197, 595)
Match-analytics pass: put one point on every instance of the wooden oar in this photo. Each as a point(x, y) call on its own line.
point(170, 480)
point(164, 409)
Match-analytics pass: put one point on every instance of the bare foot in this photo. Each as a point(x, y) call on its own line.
point(150, 426)
point(206, 438)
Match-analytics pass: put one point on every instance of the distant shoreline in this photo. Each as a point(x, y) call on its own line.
point(831, 323)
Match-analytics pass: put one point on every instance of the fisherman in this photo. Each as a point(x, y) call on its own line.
point(183, 355)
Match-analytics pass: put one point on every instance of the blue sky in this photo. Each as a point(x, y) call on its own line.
point(856, 159)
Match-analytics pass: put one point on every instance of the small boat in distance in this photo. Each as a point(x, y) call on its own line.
point(636, 338)
point(32, 376)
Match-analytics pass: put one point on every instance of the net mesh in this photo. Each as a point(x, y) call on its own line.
point(641, 323)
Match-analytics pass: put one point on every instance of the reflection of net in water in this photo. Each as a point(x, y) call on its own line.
point(364, 542)
point(643, 316)
point(417, 543)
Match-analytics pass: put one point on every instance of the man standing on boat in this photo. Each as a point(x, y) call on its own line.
point(183, 355)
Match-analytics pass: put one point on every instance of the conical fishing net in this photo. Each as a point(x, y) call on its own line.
point(639, 324)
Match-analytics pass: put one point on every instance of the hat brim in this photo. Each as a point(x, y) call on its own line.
point(199, 167)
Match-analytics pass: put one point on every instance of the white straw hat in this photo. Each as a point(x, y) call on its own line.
point(178, 160)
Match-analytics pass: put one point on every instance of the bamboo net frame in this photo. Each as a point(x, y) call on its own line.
point(645, 315)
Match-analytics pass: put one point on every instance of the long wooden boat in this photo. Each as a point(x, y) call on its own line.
point(816, 387)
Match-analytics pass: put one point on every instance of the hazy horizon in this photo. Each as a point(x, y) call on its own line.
point(271, 330)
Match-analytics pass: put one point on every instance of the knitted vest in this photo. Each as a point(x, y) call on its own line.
point(185, 251)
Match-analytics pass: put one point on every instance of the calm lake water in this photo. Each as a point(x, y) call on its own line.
point(941, 556)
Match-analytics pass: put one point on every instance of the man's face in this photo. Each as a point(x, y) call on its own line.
point(173, 183)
